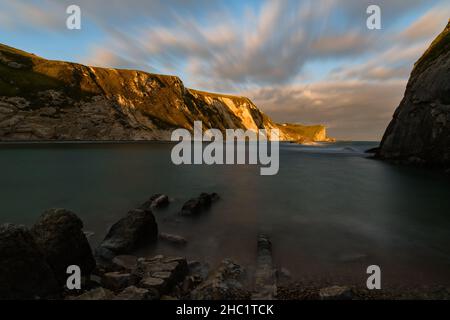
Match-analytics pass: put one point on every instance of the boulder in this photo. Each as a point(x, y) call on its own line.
point(156, 201)
point(59, 234)
point(227, 282)
point(137, 229)
point(24, 272)
point(197, 205)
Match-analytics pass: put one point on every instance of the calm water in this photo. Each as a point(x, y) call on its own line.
point(330, 211)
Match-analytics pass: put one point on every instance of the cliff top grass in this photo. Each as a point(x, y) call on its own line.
point(439, 46)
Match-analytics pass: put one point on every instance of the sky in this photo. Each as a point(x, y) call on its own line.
point(300, 61)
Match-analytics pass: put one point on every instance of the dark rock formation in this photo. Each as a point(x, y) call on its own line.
point(24, 272)
point(197, 205)
point(138, 228)
point(227, 282)
point(156, 201)
point(420, 130)
point(59, 233)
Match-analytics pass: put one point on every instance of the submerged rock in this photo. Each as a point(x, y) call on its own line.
point(195, 206)
point(135, 293)
point(24, 272)
point(156, 201)
point(59, 233)
point(173, 239)
point(265, 275)
point(138, 228)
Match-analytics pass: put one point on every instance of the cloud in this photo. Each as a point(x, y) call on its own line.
point(31, 15)
point(357, 110)
point(428, 25)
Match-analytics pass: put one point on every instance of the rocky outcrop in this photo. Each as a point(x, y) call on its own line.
point(24, 272)
point(199, 204)
point(419, 132)
point(53, 100)
point(59, 234)
point(138, 228)
point(227, 282)
point(156, 201)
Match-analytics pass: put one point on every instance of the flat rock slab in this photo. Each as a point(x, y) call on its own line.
point(161, 273)
point(135, 293)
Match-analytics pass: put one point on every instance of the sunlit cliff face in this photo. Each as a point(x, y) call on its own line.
point(299, 61)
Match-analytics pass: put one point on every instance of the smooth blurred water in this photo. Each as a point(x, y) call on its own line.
point(330, 211)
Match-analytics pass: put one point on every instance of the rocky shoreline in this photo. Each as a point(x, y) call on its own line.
point(34, 264)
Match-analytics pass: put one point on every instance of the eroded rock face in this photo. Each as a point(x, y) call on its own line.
point(53, 100)
point(138, 228)
point(59, 234)
point(24, 272)
point(420, 130)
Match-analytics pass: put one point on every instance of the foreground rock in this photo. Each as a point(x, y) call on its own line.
point(59, 233)
point(138, 228)
point(227, 282)
point(197, 205)
point(161, 273)
point(24, 272)
point(265, 275)
point(420, 130)
point(172, 239)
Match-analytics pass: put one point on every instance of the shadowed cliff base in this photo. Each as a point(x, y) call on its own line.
point(419, 133)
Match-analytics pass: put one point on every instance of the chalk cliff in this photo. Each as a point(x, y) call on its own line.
point(53, 100)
